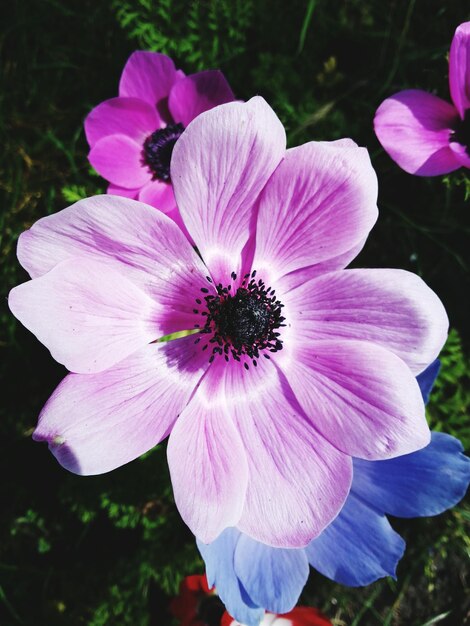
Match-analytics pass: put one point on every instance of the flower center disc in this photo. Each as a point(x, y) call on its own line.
point(461, 133)
point(158, 148)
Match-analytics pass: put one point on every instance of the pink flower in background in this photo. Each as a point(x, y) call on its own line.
point(424, 134)
point(132, 136)
point(295, 365)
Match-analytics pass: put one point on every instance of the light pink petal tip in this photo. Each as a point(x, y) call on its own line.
point(320, 202)
point(197, 93)
point(118, 158)
point(96, 423)
point(219, 166)
point(459, 68)
point(415, 127)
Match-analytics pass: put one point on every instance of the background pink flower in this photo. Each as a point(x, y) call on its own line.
point(424, 134)
point(132, 136)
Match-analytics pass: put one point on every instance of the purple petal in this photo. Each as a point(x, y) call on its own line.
point(119, 159)
point(159, 195)
point(427, 378)
point(320, 203)
point(219, 166)
point(359, 396)
point(197, 93)
point(121, 116)
point(423, 483)
point(89, 315)
point(95, 423)
point(115, 190)
point(392, 308)
point(414, 127)
point(459, 68)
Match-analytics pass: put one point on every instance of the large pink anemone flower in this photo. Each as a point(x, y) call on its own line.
point(295, 365)
point(425, 135)
point(132, 136)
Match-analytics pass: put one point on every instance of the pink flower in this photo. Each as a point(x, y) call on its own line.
point(424, 134)
point(297, 365)
point(132, 136)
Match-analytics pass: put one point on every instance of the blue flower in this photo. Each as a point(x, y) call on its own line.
point(359, 546)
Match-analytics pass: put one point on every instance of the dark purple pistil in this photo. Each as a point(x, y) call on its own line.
point(461, 132)
point(158, 148)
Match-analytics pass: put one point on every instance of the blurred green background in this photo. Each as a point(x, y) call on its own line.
point(102, 550)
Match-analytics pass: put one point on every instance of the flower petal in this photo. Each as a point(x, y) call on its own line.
point(197, 93)
point(121, 116)
point(150, 77)
point(119, 159)
point(89, 316)
point(414, 127)
point(360, 397)
point(95, 423)
point(359, 547)
point(207, 462)
point(273, 577)
point(459, 68)
point(420, 484)
point(297, 480)
point(115, 190)
point(392, 308)
point(320, 202)
point(218, 168)
point(427, 378)
point(219, 560)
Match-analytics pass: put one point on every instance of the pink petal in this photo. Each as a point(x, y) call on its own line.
point(459, 68)
point(414, 127)
point(361, 397)
point(392, 308)
point(119, 159)
point(88, 315)
point(95, 423)
point(320, 203)
point(114, 190)
point(198, 93)
point(158, 194)
point(219, 166)
point(207, 463)
point(297, 481)
point(121, 116)
point(150, 77)
point(150, 250)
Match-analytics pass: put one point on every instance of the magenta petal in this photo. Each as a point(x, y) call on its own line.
point(392, 308)
point(297, 481)
point(115, 190)
point(148, 76)
point(119, 159)
point(320, 202)
point(159, 195)
point(459, 68)
point(198, 93)
point(219, 166)
point(121, 116)
point(414, 127)
point(207, 463)
point(361, 397)
point(95, 423)
point(88, 315)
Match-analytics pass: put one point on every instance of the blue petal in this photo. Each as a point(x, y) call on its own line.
point(427, 379)
point(220, 572)
point(358, 547)
point(422, 483)
point(273, 577)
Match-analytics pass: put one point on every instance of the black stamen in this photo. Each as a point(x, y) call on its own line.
point(158, 148)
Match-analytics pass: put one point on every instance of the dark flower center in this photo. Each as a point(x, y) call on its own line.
point(461, 132)
point(158, 148)
point(242, 323)
point(210, 610)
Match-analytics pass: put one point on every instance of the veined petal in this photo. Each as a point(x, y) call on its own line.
point(95, 423)
point(359, 396)
point(320, 202)
point(89, 316)
point(426, 482)
point(118, 158)
point(218, 168)
point(197, 93)
point(459, 68)
point(359, 546)
point(414, 127)
point(392, 308)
